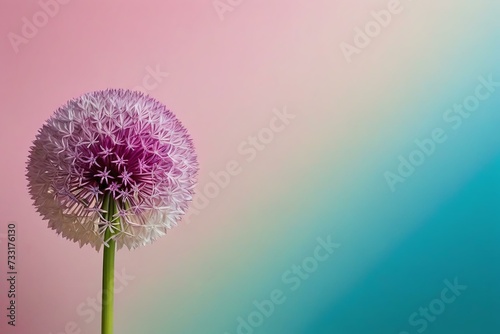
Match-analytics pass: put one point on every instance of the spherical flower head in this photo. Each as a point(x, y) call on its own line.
point(115, 144)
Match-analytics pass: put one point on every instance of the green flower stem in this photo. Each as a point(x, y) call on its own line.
point(108, 269)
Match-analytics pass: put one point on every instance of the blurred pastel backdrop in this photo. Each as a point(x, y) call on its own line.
point(225, 68)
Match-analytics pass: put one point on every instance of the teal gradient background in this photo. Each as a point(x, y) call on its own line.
point(321, 176)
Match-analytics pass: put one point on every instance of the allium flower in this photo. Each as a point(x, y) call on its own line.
point(115, 143)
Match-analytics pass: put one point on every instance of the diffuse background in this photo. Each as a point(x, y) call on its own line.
point(350, 164)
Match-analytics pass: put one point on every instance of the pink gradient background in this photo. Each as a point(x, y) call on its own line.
point(225, 77)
